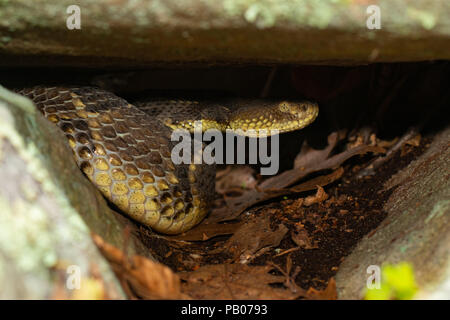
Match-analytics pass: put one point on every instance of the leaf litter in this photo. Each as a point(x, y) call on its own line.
point(262, 254)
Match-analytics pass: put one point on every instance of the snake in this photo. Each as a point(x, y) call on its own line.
point(124, 148)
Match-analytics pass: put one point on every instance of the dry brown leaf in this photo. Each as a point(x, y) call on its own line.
point(414, 141)
point(376, 163)
point(318, 181)
point(253, 239)
point(141, 277)
point(329, 293)
point(206, 231)
point(289, 275)
point(320, 196)
point(276, 186)
point(289, 177)
point(309, 156)
point(387, 143)
point(302, 239)
point(355, 141)
point(235, 281)
point(254, 196)
point(235, 178)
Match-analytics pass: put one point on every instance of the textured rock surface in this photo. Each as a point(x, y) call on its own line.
point(141, 32)
point(417, 229)
point(47, 211)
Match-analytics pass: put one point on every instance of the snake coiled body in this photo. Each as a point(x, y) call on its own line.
point(125, 149)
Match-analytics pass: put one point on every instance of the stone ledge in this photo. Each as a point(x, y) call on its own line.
point(148, 33)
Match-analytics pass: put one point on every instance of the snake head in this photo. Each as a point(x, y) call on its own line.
point(297, 115)
point(262, 117)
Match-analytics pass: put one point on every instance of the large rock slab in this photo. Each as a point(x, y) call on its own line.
point(156, 32)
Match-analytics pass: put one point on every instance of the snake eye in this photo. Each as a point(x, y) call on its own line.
point(284, 107)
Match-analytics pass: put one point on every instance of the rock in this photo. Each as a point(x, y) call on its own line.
point(416, 230)
point(48, 210)
point(144, 33)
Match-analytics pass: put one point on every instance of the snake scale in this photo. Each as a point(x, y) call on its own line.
point(125, 149)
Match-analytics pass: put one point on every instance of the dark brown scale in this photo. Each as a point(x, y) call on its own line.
point(124, 155)
point(168, 165)
point(133, 151)
point(129, 140)
point(51, 110)
point(162, 141)
point(80, 125)
point(143, 164)
point(110, 146)
point(137, 135)
point(116, 114)
point(82, 138)
point(152, 144)
point(165, 152)
point(158, 171)
point(40, 98)
point(121, 128)
point(68, 105)
point(85, 153)
point(45, 103)
point(166, 198)
point(147, 132)
point(120, 143)
point(38, 91)
point(108, 132)
point(142, 147)
point(65, 96)
point(67, 127)
point(52, 94)
point(155, 157)
point(131, 124)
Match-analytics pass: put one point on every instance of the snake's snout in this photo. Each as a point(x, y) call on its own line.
point(297, 115)
point(300, 110)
